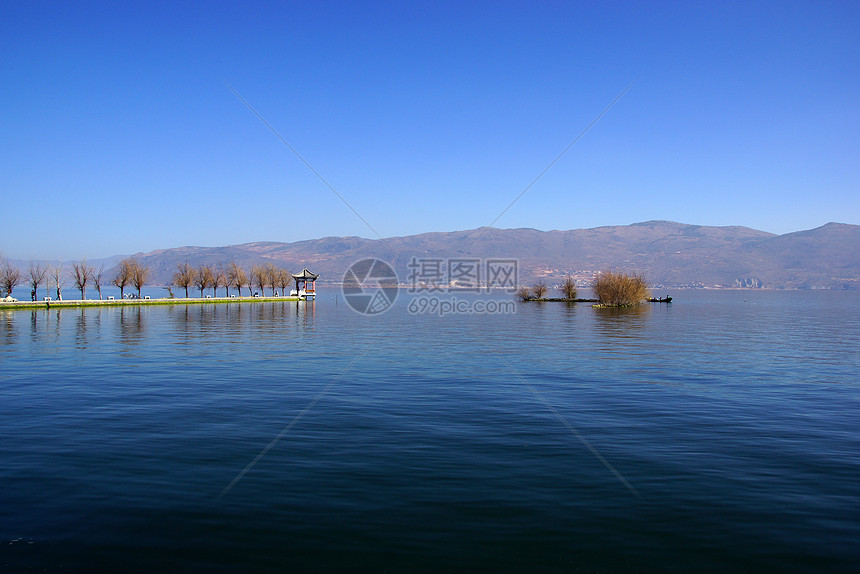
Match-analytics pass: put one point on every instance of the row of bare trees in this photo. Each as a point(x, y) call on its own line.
point(232, 276)
point(39, 273)
point(129, 271)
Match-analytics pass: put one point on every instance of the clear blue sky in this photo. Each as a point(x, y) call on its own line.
point(118, 133)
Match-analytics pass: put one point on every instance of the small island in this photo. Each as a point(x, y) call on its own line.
point(612, 290)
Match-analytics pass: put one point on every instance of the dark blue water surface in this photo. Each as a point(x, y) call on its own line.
point(718, 433)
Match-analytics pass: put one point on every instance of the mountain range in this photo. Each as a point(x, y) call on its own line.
point(668, 254)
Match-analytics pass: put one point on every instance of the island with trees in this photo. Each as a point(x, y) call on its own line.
point(610, 290)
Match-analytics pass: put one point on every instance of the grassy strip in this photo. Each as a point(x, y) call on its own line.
point(133, 302)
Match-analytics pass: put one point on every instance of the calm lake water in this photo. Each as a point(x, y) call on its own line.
point(718, 433)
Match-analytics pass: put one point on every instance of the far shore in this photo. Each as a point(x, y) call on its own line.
point(133, 302)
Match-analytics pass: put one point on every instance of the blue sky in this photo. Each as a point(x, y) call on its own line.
point(120, 133)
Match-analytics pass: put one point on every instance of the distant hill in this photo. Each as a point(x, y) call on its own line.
point(669, 254)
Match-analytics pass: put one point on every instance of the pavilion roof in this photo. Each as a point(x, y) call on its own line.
point(306, 275)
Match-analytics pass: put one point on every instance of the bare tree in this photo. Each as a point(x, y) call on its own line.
point(219, 279)
point(259, 277)
point(82, 273)
point(56, 273)
point(236, 277)
point(203, 278)
point(228, 282)
point(242, 280)
point(271, 276)
point(524, 293)
point(139, 275)
point(231, 276)
point(568, 288)
point(36, 275)
point(98, 278)
point(184, 277)
point(539, 289)
point(619, 289)
point(10, 276)
point(123, 275)
point(284, 280)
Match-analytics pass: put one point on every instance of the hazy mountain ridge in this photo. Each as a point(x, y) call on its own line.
point(668, 253)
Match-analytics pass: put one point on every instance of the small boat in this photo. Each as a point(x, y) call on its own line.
point(665, 299)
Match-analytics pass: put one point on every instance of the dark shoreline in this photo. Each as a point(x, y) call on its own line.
point(561, 300)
